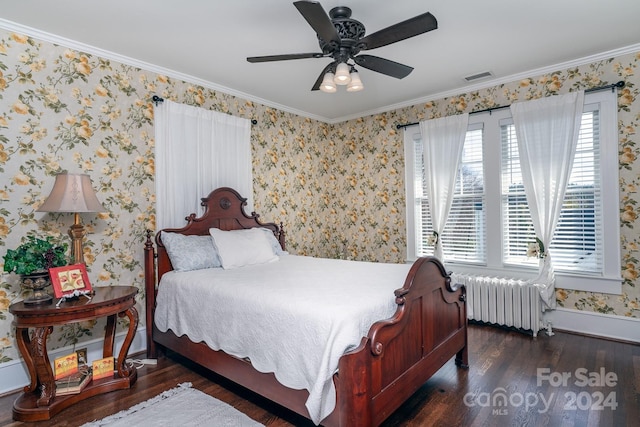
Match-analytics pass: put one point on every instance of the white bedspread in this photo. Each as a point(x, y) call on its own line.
point(294, 317)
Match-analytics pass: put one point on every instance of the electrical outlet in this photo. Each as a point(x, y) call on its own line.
point(82, 356)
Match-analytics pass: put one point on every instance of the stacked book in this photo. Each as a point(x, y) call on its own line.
point(74, 383)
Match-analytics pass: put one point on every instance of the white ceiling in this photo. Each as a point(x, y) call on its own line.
point(207, 42)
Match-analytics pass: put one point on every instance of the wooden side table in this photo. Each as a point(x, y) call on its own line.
point(39, 400)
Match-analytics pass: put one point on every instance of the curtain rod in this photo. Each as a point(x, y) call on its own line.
point(613, 87)
point(156, 99)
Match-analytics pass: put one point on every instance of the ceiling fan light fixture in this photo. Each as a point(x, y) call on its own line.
point(342, 76)
point(328, 85)
point(355, 84)
point(342, 38)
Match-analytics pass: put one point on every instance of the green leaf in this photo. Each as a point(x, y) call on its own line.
point(35, 255)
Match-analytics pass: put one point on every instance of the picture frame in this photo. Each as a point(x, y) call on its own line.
point(70, 280)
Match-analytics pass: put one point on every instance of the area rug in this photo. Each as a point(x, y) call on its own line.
point(182, 406)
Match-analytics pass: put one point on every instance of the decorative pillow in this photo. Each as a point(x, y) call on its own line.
point(190, 252)
point(238, 248)
point(275, 245)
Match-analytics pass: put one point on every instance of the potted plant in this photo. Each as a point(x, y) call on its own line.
point(32, 261)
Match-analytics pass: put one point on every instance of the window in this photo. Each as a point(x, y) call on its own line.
point(577, 245)
point(490, 227)
point(465, 229)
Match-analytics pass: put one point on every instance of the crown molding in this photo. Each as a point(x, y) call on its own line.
point(502, 80)
point(82, 47)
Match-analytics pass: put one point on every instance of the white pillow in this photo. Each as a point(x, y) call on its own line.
point(238, 248)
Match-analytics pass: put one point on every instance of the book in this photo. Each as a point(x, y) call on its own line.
point(103, 368)
point(73, 379)
point(65, 365)
point(66, 389)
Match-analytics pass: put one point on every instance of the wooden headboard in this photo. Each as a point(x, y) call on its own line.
point(224, 209)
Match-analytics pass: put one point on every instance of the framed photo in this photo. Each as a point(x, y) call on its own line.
point(69, 279)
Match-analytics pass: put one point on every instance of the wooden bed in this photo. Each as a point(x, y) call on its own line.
point(397, 357)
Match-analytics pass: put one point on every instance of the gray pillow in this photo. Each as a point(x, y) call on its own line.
point(275, 245)
point(190, 252)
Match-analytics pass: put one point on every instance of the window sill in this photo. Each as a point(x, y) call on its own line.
point(606, 285)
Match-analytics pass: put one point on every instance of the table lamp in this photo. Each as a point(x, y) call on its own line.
point(73, 193)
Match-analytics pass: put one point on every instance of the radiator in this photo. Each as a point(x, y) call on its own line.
point(502, 301)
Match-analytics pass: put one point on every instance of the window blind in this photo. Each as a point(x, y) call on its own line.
point(576, 245)
point(464, 234)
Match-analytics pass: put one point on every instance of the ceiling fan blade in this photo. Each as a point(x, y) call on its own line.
point(403, 30)
point(316, 85)
point(315, 15)
point(384, 66)
point(270, 58)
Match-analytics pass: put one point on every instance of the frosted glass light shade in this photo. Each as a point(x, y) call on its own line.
point(328, 84)
point(342, 76)
point(355, 84)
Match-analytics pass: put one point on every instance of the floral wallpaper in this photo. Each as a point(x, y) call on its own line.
point(337, 188)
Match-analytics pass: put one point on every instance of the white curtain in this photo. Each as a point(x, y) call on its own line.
point(197, 151)
point(442, 141)
point(547, 130)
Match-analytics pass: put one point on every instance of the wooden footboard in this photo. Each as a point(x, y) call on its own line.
point(400, 354)
point(397, 356)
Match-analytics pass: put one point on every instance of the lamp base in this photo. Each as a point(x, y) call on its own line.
point(77, 233)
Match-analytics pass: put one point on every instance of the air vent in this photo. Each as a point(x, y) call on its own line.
point(478, 76)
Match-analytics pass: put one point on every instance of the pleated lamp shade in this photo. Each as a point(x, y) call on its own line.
point(72, 193)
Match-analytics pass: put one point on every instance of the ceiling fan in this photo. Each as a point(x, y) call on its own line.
point(343, 38)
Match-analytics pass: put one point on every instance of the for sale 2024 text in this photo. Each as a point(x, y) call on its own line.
point(582, 377)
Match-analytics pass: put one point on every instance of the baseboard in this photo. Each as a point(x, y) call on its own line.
point(595, 324)
point(15, 376)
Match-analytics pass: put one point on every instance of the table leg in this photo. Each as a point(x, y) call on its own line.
point(24, 344)
point(109, 336)
point(123, 369)
point(40, 360)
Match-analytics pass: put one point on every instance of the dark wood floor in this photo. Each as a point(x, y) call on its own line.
point(523, 374)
